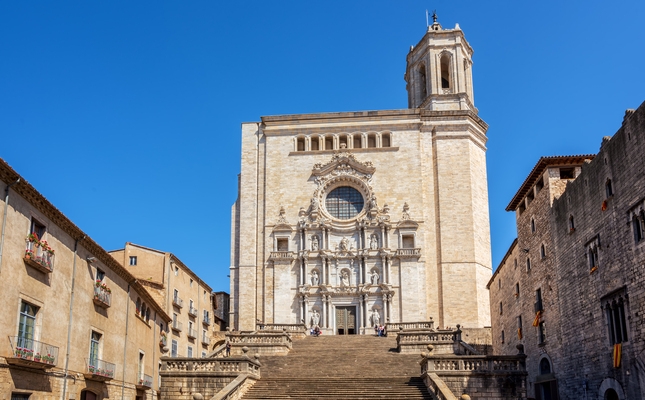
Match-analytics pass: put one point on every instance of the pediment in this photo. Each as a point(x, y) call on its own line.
point(408, 223)
point(343, 160)
point(282, 228)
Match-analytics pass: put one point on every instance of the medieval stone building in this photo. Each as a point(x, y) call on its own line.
point(571, 288)
point(353, 219)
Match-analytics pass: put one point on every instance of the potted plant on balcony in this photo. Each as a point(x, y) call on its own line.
point(32, 238)
point(37, 357)
point(29, 254)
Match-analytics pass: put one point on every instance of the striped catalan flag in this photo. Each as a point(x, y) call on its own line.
point(519, 333)
point(536, 321)
point(618, 347)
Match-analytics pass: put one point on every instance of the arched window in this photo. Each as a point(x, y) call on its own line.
point(148, 314)
point(423, 91)
point(371, 140)
point(315, 143)
point(611, 394)
point(138, 305)
point(545, 366)
point(385, 140)
point(445, 72)
point(357, 141)
point(143, 310)
point(300, 144)
point(342, 140)
point(329, 143)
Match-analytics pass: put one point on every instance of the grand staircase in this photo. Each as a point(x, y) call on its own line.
point(340, 367)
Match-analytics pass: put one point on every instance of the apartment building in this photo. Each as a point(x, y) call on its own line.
point(75, 323)
point(185, 297)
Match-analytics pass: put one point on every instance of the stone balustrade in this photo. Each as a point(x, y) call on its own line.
point(396, 326)
point(262, 342)
point(438, 387)
point(440, 341)
point(229, 366)
point(468, 364)
point(297, 331)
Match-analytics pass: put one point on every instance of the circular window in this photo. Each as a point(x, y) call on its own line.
point(344, 202)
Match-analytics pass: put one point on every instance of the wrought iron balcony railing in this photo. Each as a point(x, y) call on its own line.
point(99, 370)
point(32, 353)
point(177, 301)
point(102, 296)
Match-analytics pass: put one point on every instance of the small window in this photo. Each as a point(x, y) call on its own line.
point(138, 306)
point(37, 228)
point(133, 260)
point(545, 366)
point(517, 290)
point(176, 271)
point(501, 309)
point(502, 336)
point(283, 244)
point(529, 197)
point(315, 144)
point(499, 283)
point(20, 396)
point(519, 327)
point(541, 333)
point(357, 141)
point(371, 140)
point(300, 144)
point(191, 283)
point(175, 294)
point(532, 225)
point(521, 208)
point(407, 241)
point(567, 173)
point(515, 263)
point(638, 223)
point(385, 140)
point(445, 72)
point(542, 252)
point(539, 185)
point(342, 140)
point(572, 225)
point(616, 319)
point(609, 191)
point(173, 348)
point(27, 326)
point(203, 354)
point(100, 275)
point(592, 256)
point(538, 301)
point(528, 264)
point(329, 143)
point(190, 351)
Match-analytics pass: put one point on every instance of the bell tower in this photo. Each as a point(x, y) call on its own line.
point(439, 70)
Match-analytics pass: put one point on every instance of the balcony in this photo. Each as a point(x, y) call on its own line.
point(99, 370)
point(192, 333)
point(177, 301)
point(145, 382)
point(206, 320)
point(39, 255)
point(404, 253)
point(176, 326)
point(32, 353)
point(206, 340)
point(192, 311)
point(102, 295)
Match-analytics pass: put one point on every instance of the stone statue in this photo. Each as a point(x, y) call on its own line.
point(314, 204)
point(375, 277)
point(315, 318)
point(314, 278)
point(406, 212)
point(376, 318)
point(373, 204)
point(373, 242)
point(314, 243)
point(344, 279)
point(344, 244)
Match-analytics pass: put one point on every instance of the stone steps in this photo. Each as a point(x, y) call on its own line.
point(340, 367)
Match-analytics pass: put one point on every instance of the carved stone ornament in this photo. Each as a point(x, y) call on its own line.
point(282, 219)
point(406, 212)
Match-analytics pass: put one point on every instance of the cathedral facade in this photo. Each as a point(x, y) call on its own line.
point(350, 220)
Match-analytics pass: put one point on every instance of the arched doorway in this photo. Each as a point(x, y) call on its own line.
point(88, 395)
point(546, 387)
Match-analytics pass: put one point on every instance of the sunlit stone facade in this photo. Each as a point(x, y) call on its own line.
point(353, 219)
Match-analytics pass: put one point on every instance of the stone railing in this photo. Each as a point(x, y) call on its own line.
point(408, 252)
point(218, 352)
point(393, 327)
point(440, 342)
point(438, 387)
point(281, 255)
point(468, 364)
point(237, 365)
point(236, 389)
point(227, 378)
point(263, 342)
point(297, 331)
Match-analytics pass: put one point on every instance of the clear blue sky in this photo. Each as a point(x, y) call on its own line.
point(126, 115)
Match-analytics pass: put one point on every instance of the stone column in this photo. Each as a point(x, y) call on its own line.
point(385, 310)
point(388, 263)
point(324, 313)
point(323, 243)
point(306, 309)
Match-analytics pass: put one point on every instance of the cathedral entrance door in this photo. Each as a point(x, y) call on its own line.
point(346, 320)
